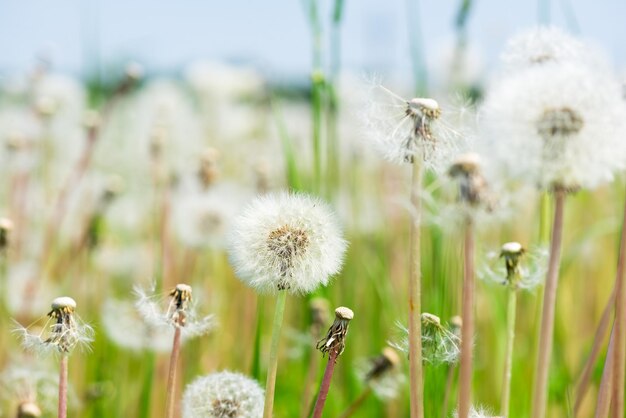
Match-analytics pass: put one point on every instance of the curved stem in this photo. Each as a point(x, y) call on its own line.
point(357, 403)
point(604, 392)
point(540, 387)
point(270, 384)
point(171, 380)
point(508, 362)
point(415, 309)
point(467, 331)
point(328, 375)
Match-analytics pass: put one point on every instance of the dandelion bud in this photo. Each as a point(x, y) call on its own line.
point(28, 410)
point(6, 226)
point(511, 252)
point(472, 185)
point(223, 395)
point(336, 336)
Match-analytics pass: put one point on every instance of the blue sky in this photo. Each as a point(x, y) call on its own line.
point(164, 35)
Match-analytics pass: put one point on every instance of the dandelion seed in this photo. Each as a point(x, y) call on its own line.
point(223, 395)
point(406, 129)
point(286, 242)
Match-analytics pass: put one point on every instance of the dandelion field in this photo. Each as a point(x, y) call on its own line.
point(181, 210)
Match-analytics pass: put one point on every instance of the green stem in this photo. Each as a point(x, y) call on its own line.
point(146, 390)
point(467, 331)
point(540, 386)
point(317, 79)
point(415, 309)
point(508, 360)
point(270, 384)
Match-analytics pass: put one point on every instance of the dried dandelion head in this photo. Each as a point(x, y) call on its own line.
point(521, 269)
point(473, 188)
point(286, 242)
point(208, 172)
point(335, 339)
point(382, 373)
point(440, 344)
point(223, 395)
point(179, 313)
point(319, 309)
point(6, 226)
point(406, 129)
point(62, 332)
point(28, 410)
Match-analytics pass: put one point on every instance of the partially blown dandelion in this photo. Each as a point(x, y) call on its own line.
point(223, 395)
point(440, 345)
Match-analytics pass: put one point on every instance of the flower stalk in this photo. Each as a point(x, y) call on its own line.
point(63, 369)
point(270, 385)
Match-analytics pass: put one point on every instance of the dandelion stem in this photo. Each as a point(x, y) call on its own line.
point(328, 375)
point(311, 375)
point(604, 392)
point(508, 360)
point(415, 309)
point(171, 380)
point(270, 384)
point(467, 331)
point(540, 387)
point(63, 387)
point(446, 396)
point(585, 377)
point(357, 403)
point(619, 346)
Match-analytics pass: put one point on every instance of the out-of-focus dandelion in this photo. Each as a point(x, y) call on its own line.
point(180, 315)
point(559, 126)
point(439, 344)
point(223, 395)
point(332, 344)
point(285, 243)
point(381, 376)
point(6, 226)
point(477, 412)
point(31, 390)
point(65, 333)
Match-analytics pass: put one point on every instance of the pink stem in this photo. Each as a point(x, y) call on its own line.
point(328, 375)
point(604, 393)
point(467, 331)
point(63, 387)
point(171, 380)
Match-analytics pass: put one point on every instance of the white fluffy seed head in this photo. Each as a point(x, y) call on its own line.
point(555, 126)
point(223, 395)
point(548, 45)
point(286, 242)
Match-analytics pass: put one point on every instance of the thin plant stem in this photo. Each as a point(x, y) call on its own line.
point(508, 359)
point(619, 347)
point(540, 386)
point(357, 403)
point(311, 375)
point(467, 331)
point(585, 377)
point(328, 375)
point(415, 309)
point(603, 404)
point(63, 387)
point(270, 384)
point(171, 380)
point(145, 397)
point(448, 391)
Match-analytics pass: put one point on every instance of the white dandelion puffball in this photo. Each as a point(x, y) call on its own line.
point(223, 395)
point(556, 126)
point(545, 45)
point(286, 242)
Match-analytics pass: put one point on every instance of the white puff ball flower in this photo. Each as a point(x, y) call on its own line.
point(556, 126)
point(544, 45)
point(477, 412)
point(223, 395)
point(286, 242)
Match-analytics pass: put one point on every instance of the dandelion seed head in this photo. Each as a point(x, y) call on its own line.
point(439, 343)
point(223, 395)
point(477, 412)
point(548, 45)
point(28, 410)
point(382, 373)
point(286, 242)
point(555, 126)
point(515, 266)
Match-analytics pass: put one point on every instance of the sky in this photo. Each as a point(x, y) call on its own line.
point(273, 35)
